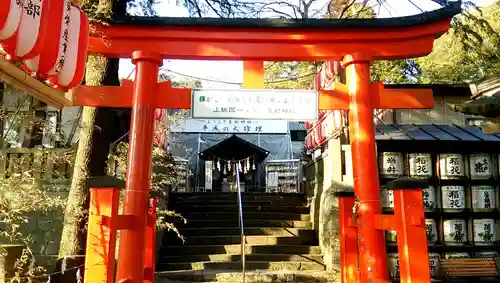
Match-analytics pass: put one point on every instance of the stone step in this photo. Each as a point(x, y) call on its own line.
point(251, 240)
point(195, 207)
point(257, 265)
point(236, 250)
point(237, 258)
point(248, 223)
point(251, 276)
point(233, 199)
point(224, 231)
point(190, 216)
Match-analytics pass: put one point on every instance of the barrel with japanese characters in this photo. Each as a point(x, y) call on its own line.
point(432, 232)
point(483, 198)
point(455, 232)
point(451, 166)
point(453, 198)
point(480, 166)
point(391, 164)
point(484, 231)
point(420, 165)
point(429, 198)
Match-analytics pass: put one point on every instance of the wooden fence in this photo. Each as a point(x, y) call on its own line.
point(46, 165)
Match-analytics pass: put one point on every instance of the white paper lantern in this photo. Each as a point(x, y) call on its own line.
point(483, 198)
point(73, 68)
point(453, 198)
point(431, 230)
point(455, 232)
point(10, 17)
point(429, 197)
point(31, 34)
point(484, 231)
point(420, 165)
point(391, 164)
point(451, 166)
point(480, 166)
point(46, 63)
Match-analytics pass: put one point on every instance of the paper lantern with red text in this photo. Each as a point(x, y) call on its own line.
point(73, 67)
point(48, 62)
point(10, 17)
point(30, 36)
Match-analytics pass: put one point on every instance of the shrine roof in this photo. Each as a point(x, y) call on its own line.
point(450, 10)
point(432, 132)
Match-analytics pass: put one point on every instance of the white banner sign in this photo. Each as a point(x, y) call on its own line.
point(230, 126)
point(298, 105)
point(208, 175)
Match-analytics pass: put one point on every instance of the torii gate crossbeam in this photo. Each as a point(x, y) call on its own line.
point(357, 42)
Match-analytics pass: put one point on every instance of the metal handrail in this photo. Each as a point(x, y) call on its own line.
point(242, 227)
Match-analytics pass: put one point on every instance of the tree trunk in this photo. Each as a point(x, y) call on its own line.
point(98, 130)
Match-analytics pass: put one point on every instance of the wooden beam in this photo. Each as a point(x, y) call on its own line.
point(19, 79)
point(265, 44)
point(338, 98)
point(121, 96)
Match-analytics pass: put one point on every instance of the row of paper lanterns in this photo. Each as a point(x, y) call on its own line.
point(50, 38)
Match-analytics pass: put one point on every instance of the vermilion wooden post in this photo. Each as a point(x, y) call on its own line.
point(150, 252)
point(349, 258)
point(132, 241)
point(371, 242)
point(253, 74)
point(101, 235)
point(409, 213)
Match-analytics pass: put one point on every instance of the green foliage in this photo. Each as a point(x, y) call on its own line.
point(289, 75)
point(469, 52)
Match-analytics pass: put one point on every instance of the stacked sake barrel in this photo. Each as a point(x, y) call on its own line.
point(460, 203)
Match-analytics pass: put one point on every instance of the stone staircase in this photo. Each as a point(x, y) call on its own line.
point(281, 246)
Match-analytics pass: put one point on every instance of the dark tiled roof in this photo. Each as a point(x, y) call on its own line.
point(452, 9)
point(433, 132)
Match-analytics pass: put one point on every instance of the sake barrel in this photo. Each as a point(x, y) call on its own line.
point(453, 198)
point(456, 255)
point(387, 199)
point(431, 229)
point(483, 198)
point(434, 264)
point(391, 236)
point(451, 166)
point(391, 164)
point(420, 165)
point(393, 259)
point(455, 232)
point(480, 166)
point(486, 254)
point(484, 231)
point(429, 196)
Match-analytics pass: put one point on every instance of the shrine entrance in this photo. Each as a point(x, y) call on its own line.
point(354, 42)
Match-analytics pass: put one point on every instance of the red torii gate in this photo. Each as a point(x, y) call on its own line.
point(354, 42)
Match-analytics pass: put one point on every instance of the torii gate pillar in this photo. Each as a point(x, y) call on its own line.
point(133, 240)
point(371, 241)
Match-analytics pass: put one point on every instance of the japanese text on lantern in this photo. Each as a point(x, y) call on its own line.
point(32, 9)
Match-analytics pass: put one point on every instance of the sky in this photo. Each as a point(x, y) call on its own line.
point(232, 71)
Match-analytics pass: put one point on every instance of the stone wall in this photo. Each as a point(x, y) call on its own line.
point(324, 177)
